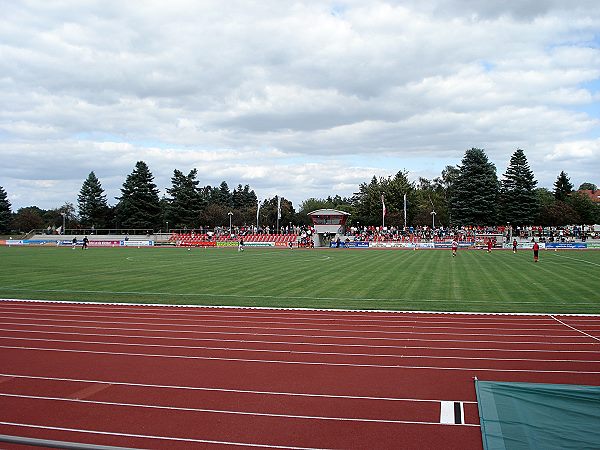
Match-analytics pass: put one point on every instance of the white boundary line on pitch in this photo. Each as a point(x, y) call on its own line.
point(303, 363)
point(224, 411)
point(303, 309)
point(235, 391)
point(270, 297)
point(296, 352)
point(577, 259)
point(354, 338)
point(575, 329)
point(146, 436)
point(316, 344)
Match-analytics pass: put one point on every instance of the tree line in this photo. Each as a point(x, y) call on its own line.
point(463, 195)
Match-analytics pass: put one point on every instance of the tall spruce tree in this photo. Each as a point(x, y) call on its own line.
point(562, 187)
point(92, 203)
point(476, 191)
point(139, 204)
point(5, 212)
point(186, 203)
point(518, 197)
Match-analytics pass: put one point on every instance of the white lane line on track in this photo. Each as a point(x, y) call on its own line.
point(295, 352)
point(235, 391)
point(330, 330)
point(363, 338)
point(316, 315)
point(305, 363)
point(292, 343)
point(414, 325)
point(147, 436)
point(227, 315)
point(575, 329)
point(516, 315)
point(224, 411)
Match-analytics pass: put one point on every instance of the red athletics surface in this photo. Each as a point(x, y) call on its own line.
point(185, 377)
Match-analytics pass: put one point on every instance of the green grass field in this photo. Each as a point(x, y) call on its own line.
point(562, 282)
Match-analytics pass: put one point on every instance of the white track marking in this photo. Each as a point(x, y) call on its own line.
point(412, 324)
point(236, 391)
point(305, 363)
point(146, 436)
point(378, 320)
point(575, 329)
point(294, 352)
point(291, 343)
point(313, 336)
point(330, 330)
point(378, 316)
point(223, 411)
point(526, 315)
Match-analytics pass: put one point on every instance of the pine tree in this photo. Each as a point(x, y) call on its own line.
point(186, 203)
point(92, 202)
point(5, 212)
point(139, 204)
point(518, 197)
point(475, 193)
point(562, 187)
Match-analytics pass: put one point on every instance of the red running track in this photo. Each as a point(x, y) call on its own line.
point(186, 377)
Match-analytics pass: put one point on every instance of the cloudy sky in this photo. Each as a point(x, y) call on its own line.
point(296, 98)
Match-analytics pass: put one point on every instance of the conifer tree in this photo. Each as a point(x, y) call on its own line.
point(518, 197)
point(186, 203)
point(5, 212)
point(139, 204)
point(92, 202)
point(475, 192)
point(562, 187)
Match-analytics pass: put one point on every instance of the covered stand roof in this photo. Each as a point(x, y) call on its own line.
point(329, 220)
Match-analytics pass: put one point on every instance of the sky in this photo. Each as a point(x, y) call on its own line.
point(295, 98)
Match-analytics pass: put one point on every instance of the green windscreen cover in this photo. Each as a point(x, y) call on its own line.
point(517, 416)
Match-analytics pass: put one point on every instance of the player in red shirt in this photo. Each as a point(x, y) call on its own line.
point(489, 245)
point(536, 251)
point(454, 247)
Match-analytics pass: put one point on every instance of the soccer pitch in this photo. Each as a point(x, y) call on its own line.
point(424, 280)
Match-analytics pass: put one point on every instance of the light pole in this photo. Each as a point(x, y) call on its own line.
point(63, 216)
point(167, 226)
point(433, 213)
point(230, 214)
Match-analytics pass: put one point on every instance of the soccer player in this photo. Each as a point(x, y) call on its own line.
point(536, 251)
point(454, 247)
point(85, 243)
point(241, 246)
point(514, 246)
point(489, 245)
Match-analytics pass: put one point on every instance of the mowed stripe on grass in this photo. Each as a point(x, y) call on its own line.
point(319, 278)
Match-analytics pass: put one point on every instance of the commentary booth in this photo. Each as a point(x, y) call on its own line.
point(329, 224)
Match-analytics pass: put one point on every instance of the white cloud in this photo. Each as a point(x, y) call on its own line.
point(287, 97)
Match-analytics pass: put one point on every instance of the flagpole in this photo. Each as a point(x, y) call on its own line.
point(382, 212)
point(404, 210)
point(257, 212)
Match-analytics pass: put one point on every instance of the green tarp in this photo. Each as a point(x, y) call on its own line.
point(517, 416)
